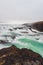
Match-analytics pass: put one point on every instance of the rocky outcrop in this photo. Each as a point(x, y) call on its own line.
point(37, 26)
point(16, 56)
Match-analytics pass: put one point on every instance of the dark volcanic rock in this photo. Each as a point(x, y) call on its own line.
point(16, 56)
point(37, 26)
point(3, 41)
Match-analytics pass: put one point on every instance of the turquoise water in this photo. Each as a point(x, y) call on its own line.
point(29, 44)
point(33, 45)
point(23, 41)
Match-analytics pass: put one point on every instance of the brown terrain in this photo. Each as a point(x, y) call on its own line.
point(15, 56)
point(37, 26)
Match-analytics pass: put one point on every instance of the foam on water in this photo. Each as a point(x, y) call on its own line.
point(30, 40)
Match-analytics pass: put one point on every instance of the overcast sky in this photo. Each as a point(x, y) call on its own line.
point(21, 10)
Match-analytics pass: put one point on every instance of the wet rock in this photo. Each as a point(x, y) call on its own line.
point(16, 56)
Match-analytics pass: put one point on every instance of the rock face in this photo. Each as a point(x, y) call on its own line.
point(16, 56)
point(37, 26)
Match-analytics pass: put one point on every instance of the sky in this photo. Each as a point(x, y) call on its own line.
point(27, 10)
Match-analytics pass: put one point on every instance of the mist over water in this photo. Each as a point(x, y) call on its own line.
point(25, 10)
point(14, 12)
